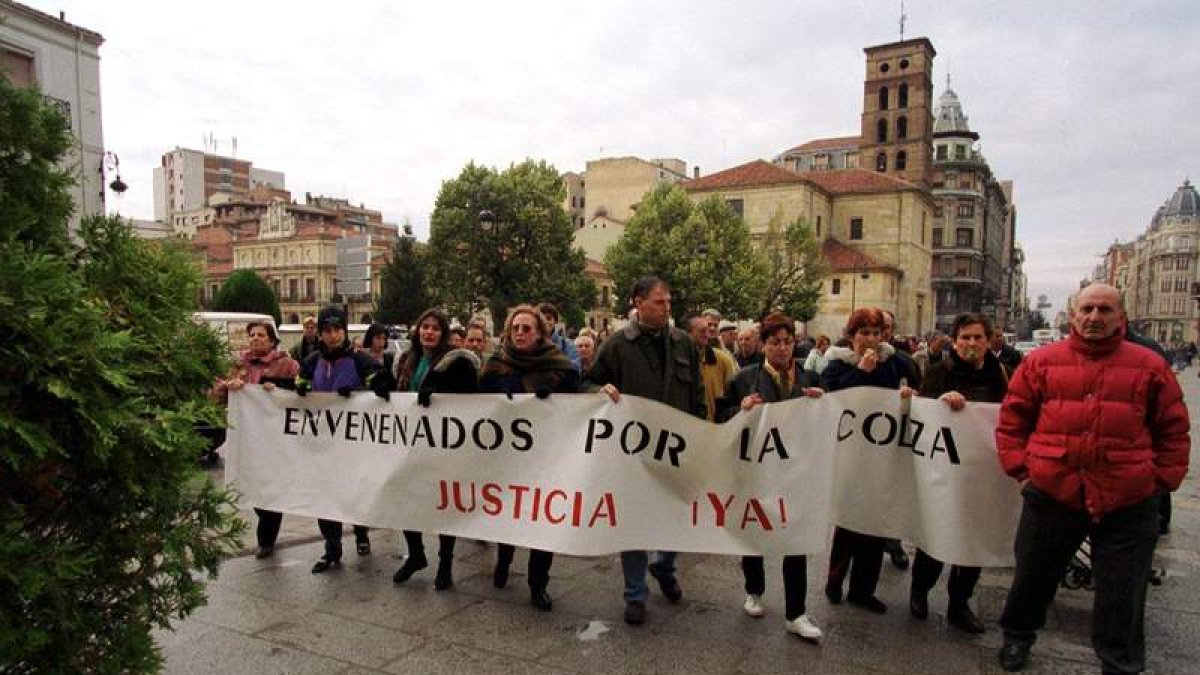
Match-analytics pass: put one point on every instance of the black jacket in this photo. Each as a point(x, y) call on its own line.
point(987, 384)
point(754, 380)
point(842, 371)
point(629, 361)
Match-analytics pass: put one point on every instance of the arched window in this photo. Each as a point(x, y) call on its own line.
point(883, 98)
point(901, 160)
point(293, 318)
point(902, 127)
point(902, 96)
point(881, 162)
point(881, 131)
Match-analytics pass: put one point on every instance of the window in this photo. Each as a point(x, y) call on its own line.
point(605, 300)
point(737, 206)
point(962, 237)
point(883, 97)
point(881, 131)
point(818, 226)
point(963, 268)
point(902, 127)
point(881, 162)
point(18, 66)
point(902, 97)
point(901, 160)
point(937, 237)
point(856, 229)
point(836, 288)
point(966, 209)
point(960, 152)
point(938, 212)
point(310, 290)
point(941, 153)
point(903, 64)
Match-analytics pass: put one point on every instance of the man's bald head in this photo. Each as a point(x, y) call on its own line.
point(1099, 312)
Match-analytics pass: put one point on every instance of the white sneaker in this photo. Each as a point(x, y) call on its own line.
point(754, 607)
point(804, 627)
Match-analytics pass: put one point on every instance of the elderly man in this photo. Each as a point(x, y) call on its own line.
point(728, 332)
point(1097, 428)
point(717, 367)
point(649, 358)
point(749, 347)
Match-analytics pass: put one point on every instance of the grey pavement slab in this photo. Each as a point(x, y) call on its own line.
point(274, 616)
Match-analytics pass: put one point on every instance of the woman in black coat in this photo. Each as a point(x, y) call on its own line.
point(867, 362)
point(779, 377)
point(430, 367)
point(528, 363)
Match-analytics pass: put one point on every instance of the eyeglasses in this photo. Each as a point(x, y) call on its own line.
point(522, 328)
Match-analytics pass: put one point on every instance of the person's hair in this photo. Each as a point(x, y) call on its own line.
point(645, 286)
point(964, 320)
point(407, 365)
point(373, 330)
point(824, 337)
point(270, 328)
point(542, 326)
point(711, 312)
point(775, 322)
point(686, 322)
point(459, 331)
point(585, 337)
point(864, 317)
point(585, 331)
point(482, 328)
point(309, 319)
point(547, 308)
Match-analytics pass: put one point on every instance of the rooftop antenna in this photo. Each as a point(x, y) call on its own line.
point(903, 16)
point(235, 146)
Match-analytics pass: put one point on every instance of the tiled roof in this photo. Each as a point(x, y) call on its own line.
point(842, 258)
point(758, 172)
point(837, 143)
point(843, 181)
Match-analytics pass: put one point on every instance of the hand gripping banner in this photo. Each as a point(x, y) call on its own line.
point(577, 474)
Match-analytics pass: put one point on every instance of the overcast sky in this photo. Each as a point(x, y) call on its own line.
point(1090, 107)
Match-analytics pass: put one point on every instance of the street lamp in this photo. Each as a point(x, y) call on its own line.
point(110, 162)
point(854, 287)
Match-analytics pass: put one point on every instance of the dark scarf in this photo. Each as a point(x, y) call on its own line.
point(545, 366)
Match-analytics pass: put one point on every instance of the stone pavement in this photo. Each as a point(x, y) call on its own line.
point(274, 616)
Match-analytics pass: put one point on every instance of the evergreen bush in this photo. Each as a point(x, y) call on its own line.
point(245, 291)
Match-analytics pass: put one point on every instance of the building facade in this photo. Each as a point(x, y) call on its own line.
point(897, 115)
point(1160, 272)
point(188, 179)
point(973, 229)
point(62, 61)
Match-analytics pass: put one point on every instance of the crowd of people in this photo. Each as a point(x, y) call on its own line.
point(1093, 427)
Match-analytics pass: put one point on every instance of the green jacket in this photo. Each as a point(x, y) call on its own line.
point(628, 361)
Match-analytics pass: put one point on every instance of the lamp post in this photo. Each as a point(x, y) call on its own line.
point(110, 162)
point(489, 228)
point(854, 287)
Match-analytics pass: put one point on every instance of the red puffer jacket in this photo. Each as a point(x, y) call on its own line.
point(1095, 424)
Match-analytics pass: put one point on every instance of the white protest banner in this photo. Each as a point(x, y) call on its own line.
point(577, 474)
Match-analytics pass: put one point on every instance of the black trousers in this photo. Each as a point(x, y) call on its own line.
point(1122, 545)
point(859, 554)
point(539, 565)
point(927, 569)
point(416, 546)
point(795, 581)
point(332, 531)
point(268, 527)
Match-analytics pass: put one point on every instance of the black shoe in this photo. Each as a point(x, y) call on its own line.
point(870, 603)
point(918, 606)
point(541, 600)
point(899, 558)
point(410, 567)
point(834, 593)
point(500, 575)
point(264, 552)
point(1013, 656)
point(965, 619)
point(635, 612)
point(668, 585)
point(364, 547)
point(444, 578)
point(325, 564)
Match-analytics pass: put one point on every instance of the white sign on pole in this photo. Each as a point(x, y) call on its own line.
point(353, 275)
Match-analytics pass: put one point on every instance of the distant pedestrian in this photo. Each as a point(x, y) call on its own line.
point(558, 337)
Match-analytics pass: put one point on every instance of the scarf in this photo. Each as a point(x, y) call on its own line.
point(544, 366)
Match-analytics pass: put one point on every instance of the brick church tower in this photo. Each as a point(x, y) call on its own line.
point(897, 118)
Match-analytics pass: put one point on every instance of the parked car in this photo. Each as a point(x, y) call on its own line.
point(1025, 347)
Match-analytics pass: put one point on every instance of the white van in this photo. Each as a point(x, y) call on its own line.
point(232, 326)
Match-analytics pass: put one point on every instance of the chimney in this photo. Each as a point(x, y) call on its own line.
point(696, 171)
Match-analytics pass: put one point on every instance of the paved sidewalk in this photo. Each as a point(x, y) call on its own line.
point(274, 616)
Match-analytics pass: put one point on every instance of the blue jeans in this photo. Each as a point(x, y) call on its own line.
point(634, 564)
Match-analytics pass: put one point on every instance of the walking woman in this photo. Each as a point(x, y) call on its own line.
point(430, 367)
point(779, 377)
point(868, 362)
point(263, 363)
point(528, 362)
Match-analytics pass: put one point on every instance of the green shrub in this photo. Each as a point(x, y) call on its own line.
point(245, 291)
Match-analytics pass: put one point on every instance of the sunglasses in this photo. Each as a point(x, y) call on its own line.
point(523, 328)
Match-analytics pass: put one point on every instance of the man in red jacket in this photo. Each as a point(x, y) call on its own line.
point(1097, 429)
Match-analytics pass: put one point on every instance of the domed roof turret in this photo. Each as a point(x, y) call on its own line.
point(1185, 201)
point(948, 116)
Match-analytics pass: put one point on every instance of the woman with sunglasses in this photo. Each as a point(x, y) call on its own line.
point(528, 363)
point(779, 377)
